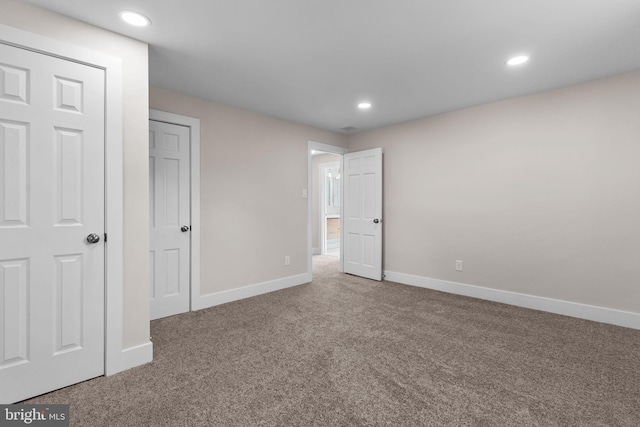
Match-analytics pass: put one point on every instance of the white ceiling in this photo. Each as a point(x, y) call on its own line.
point(312, 61)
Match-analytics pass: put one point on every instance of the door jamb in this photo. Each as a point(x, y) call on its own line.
point(194, 139)
point(114, 270)
point(318, 146)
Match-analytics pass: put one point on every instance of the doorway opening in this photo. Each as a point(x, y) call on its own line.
point(328, 201)
point(325, 201)
point(360, 196)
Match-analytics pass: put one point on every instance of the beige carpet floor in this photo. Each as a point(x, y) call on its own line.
point(345, 351)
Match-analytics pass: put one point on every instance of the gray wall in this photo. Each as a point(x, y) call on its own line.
point(537, 195)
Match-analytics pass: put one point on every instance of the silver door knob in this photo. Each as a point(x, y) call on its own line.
point(184, 228)
point(93, 238)
point(375, 221)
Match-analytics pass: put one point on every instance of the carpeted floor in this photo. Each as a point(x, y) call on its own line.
point(348, 351)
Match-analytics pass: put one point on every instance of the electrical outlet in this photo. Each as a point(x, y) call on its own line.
point(458, 265)
point(305, 194)
point(287, 260)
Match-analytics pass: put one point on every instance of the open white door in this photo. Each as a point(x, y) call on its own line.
point(362, 220)
point(169, 218)
point(51, 223)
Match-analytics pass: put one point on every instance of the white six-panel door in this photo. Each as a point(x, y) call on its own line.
point(362, 222)
point(51, 199)
point(169, 214)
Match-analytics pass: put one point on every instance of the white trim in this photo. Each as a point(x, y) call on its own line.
point(223, 297)
point(136, 356)
point(312, 145)
point(113, 174)
point(316, 251)
point(114, 221)
point(194, 126)
point(566, 308)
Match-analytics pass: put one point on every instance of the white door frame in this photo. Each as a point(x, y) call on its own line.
point(194, 139)
point(114, 356)
point(318, 146)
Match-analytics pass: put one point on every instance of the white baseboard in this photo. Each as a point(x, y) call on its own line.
point(134, 356)
point(582, 311)
point(316, 251)
point(217, 298)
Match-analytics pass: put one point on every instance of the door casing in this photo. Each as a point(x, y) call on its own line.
point(194, 183)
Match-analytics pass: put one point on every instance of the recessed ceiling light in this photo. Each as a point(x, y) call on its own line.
point(364, 105)
point(134, 18)
point(517, 60)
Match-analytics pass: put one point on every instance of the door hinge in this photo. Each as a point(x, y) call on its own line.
point(105, 237)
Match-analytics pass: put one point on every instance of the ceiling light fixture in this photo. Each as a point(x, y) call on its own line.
point(134, 18)
point(364, 105)
point(517, 60)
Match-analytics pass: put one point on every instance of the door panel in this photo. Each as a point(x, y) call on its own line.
point(14, 167)
point(14, 326)
point(169, 210)
point(68, 302)
point(51, 198)
point(363, 207)
point(67, 182)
